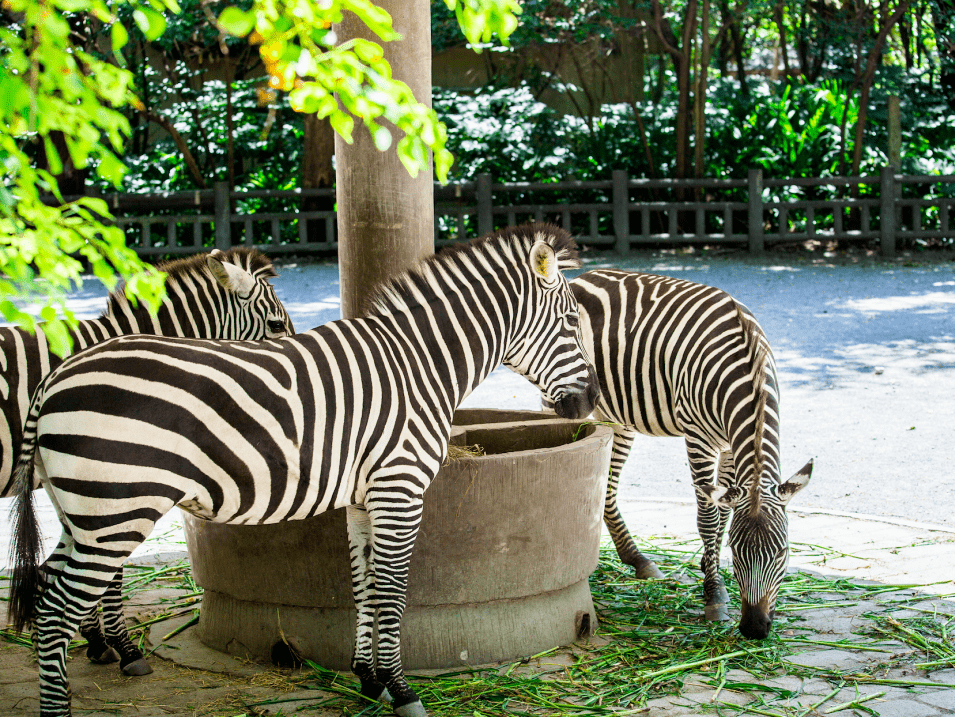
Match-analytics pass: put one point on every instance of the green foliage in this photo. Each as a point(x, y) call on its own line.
point(54, 88)
point(790, 129)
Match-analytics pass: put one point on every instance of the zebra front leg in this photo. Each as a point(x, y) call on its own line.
point(627, 550)
point(363, 587)
point(131, 659)
point(395, 519)
point(710, 522)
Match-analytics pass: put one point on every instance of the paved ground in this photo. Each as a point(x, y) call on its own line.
point(866, 353)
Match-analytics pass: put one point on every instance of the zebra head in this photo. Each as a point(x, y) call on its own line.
point(547, 347)
point(245, 275)
point(759, 541)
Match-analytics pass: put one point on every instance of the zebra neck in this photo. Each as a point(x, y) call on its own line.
point(459, 345)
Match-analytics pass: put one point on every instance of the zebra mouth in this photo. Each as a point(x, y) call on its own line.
point(580, 401)
point(756, 621)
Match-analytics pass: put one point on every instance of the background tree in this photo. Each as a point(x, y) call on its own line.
point(55, 85)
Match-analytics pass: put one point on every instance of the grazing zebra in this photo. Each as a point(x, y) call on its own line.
point(222, 295)
point(355, 413)
point(675, 358)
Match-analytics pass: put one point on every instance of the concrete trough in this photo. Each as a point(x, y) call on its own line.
point(499, 570)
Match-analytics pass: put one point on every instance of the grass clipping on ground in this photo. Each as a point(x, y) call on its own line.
point(652, 641)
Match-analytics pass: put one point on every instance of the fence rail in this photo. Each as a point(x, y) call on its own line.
point(620, 213)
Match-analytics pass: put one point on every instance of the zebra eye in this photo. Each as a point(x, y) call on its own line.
point(275, 326)
point(572, 320)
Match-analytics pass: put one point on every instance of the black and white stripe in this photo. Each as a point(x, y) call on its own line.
point(355, 413)
point(675, 358)
point(222, 295)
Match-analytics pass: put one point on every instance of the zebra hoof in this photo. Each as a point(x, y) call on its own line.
point(137, 668)
point(650, 571)
point(386, 697)
point(717, 612)
point(412, 709)
point(106, 657)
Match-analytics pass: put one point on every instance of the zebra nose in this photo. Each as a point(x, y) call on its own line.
point(756, 621)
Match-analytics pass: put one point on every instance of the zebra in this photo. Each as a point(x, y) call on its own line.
point(676, 358)
point(355, 414)
point(220, 295)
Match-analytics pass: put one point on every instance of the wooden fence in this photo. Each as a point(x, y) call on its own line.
point(619, 214)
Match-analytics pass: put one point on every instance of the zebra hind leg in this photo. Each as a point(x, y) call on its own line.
point(91, 630)
point(627, 550)
point(131, 659)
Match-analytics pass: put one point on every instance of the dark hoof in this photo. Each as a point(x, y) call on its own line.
point(649, 571)
point(106, 657)
point(412, 709)
point(138, 668)
point(717, 612)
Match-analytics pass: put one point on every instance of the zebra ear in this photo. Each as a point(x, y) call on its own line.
point(719, 495)
point(795, 484)
point(544, 261)
point(232, 277)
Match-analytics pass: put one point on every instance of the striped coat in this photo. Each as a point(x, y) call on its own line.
point(676, 358)
point(355, 413)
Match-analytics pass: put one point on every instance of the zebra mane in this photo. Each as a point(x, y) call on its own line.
point(406, 290)
point(759, 352)
point(252, 260)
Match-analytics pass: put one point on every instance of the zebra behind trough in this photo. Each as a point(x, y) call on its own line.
point(222, 295)
point(355, 413)
point(675, 358)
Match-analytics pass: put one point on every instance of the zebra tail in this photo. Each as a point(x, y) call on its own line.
point(27, 542)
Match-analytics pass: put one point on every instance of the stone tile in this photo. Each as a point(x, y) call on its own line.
point(902, 708)
point(945, 676)
point(838, 659)
point(943, 698)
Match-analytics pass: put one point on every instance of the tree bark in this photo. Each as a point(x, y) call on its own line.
point(385, 218)
point(868, 78)
point(180, 143)
point(943, 17)
point(681, 56)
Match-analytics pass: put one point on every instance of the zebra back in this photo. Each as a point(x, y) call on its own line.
point(223, 295)
point(674, 356)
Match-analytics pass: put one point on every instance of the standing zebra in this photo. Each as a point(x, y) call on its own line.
point(675, 358)
point(222, 295)
point(355, 413)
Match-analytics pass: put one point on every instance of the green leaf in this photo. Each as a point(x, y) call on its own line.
point(382, 138)
point(151, 23)
point(343, 124)
point(61, 343)
point(119, 36)
point(236, 22)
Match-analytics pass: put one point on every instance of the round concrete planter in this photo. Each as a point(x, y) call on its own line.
point(499, 570)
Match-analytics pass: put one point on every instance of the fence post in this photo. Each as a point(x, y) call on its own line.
point(621, 211)
point(223, 213)
point(888, 216)
point(755, 201)
point(485, 204)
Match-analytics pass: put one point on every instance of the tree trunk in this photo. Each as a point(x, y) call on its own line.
point(868, 78)
point(385, 218)
point(943, 16)
point(681, 56)
point(318, 172)
point(699, 112)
